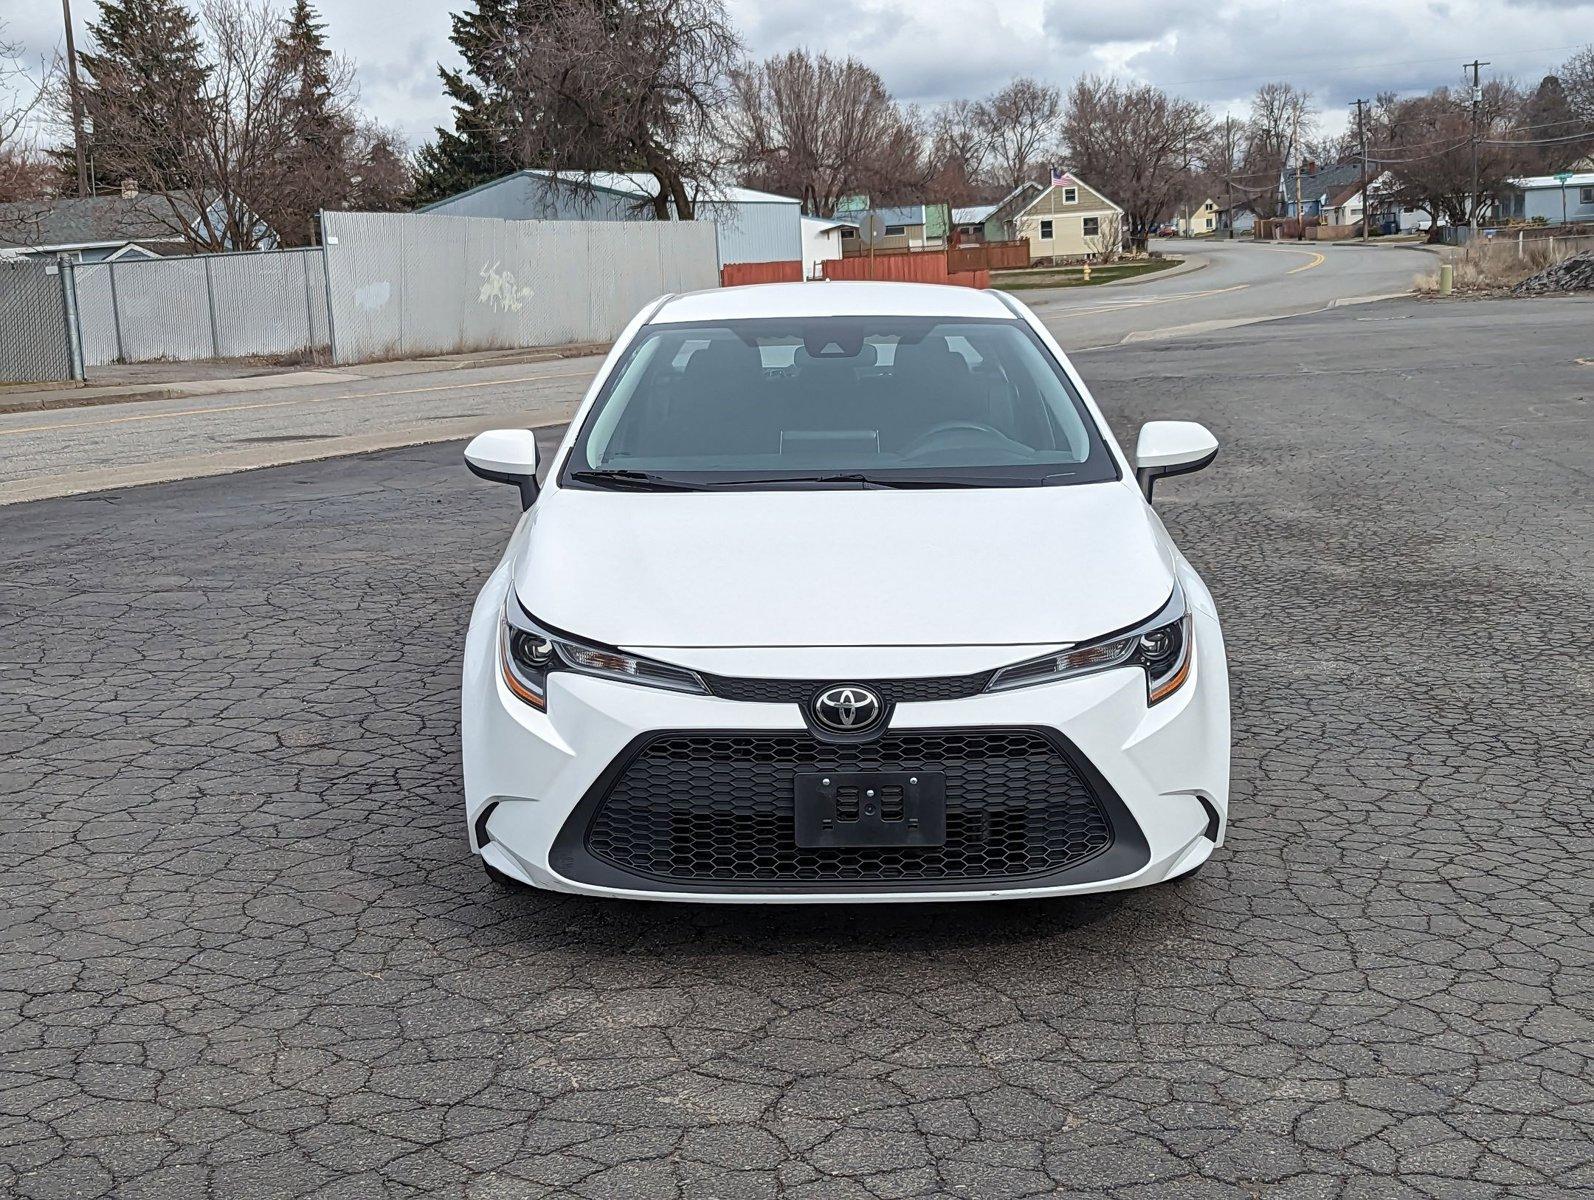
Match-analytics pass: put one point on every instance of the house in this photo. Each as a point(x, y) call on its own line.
point(1549, 199)
point(1069, 219)
point(752, 226)
point(968, 223)
point(1316, 186)
point(822, 242)
point(130, 224)
point(905, 226)
point(1199, 220)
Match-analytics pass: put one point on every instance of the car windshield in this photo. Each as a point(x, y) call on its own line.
point(836, 402)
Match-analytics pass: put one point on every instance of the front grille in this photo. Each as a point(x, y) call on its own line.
point(891, 691)
point(717, 809)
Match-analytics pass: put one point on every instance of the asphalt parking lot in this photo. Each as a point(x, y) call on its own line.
point(246, 952)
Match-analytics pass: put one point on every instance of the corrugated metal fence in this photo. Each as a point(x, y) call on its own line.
point(35, 324)
point(418, 283)
point(267, 304)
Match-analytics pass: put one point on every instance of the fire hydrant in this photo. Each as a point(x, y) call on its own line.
point(1087, 272)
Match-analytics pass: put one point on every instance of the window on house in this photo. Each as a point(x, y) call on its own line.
point(1070, 195)
point(849, 233)
point(896, 230)
point(1585, 195)
point(1092, 226)
point(1046, 231)
point(1209, 222)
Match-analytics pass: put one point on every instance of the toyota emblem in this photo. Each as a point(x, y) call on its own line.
point(848, 708)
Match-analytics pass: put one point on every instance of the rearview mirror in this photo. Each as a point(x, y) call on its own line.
point(506, 456)
point(1171, 448)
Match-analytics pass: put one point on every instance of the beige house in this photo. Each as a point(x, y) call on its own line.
point(1198, 221)
point(1070, 219)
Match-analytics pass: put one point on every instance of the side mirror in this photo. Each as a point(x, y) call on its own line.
point(1171, 448)
point(506, 456)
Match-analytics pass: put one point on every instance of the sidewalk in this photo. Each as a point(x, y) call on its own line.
point(118, 384)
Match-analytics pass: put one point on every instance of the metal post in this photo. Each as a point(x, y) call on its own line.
point(210, 303)
point(309, 301)
point(326, 279)
point(74, 331)
point(116, 311)
point(1361, 136)
point(1446, 278)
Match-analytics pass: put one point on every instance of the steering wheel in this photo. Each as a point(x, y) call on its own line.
point(950, 427)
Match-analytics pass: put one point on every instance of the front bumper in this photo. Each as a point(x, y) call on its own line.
point(1161, 773)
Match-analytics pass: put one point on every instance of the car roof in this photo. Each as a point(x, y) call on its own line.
point(830, 299)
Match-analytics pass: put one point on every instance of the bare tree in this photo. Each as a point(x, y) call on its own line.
point(1426, 144)
point(24, 172)
point(822, 129)
point(1136, 144)
point(958, 146)
point(1281, 115)
point(620, 85)
point(1021, 125)
point(1577, 78)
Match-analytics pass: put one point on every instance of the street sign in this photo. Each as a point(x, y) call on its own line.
point(1562, 176)
point(871, 229)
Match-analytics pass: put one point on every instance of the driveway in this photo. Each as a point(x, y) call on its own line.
point(247, 953)
point(64, 451)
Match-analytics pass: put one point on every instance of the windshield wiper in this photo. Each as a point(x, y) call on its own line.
point(634, 481)
point(898, 481)
point(834, 477)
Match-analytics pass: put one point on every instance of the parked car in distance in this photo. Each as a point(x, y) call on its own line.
point(842, 592)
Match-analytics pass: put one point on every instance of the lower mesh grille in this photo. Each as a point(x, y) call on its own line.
point(718, 808)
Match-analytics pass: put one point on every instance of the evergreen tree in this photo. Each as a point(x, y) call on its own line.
point(481, 144)
point(315, 103)
point(142, 78)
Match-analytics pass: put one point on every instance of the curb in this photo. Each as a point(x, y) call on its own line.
point(87, 396)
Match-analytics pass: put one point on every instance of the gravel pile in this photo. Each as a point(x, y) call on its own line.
point(1575, 274)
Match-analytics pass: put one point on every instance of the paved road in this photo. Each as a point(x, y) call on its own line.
point(1241, 282)
point(246, 953)
point(72, 450)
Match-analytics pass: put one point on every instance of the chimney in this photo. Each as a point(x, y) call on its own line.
point(1309, 167)
point(129, 189)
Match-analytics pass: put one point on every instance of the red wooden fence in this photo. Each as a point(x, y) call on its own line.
point(780, 271)
point(903, 268)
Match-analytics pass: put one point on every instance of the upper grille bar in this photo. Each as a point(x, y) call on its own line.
point(891, 691)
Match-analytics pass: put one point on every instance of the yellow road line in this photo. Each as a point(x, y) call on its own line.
point(226, 408)
point(1317, 258)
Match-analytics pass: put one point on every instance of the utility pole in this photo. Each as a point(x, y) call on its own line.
point(1300, 212)
point(1477, 103)
point(1361, 136)
point(77, 102)
point(1228, 174)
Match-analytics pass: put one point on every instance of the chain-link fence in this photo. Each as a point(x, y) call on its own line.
point(421, 283)
point(266, 304)
point(35, 324)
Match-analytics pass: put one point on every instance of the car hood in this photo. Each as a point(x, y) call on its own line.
point(964, 567)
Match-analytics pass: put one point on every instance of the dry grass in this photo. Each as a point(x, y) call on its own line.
point(1497, 266)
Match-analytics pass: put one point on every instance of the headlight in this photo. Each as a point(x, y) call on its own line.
point(1160, 645)
point(528, 653)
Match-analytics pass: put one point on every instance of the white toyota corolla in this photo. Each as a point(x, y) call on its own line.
point(842, 591)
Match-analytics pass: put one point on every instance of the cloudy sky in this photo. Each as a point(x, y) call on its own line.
point(927, 51)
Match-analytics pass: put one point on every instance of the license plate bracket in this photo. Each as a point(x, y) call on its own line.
point(881, 809)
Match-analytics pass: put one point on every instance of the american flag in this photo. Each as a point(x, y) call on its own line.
point(1060, 176)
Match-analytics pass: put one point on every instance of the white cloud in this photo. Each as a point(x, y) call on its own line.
point(1340, 49)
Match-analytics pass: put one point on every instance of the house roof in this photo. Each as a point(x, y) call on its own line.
point(1529, 183)
point(91, 221)
point(825, 224)
point(642, 185)
point(972, 214)
point(900, 214)
point(1344, 194)
point(1315, 185)
point(1074, 181)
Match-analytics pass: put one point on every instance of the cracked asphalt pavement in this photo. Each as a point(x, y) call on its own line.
point(247, 954)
